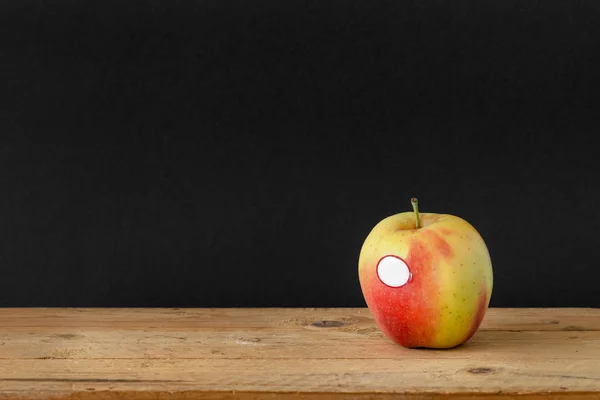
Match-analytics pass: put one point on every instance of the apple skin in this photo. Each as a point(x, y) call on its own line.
point(450, 285)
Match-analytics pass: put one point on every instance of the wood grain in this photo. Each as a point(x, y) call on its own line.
point(289, 353)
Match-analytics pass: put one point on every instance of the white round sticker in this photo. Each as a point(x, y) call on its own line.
point(393, 271)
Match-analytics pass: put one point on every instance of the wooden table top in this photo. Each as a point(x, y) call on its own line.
point(274, 353)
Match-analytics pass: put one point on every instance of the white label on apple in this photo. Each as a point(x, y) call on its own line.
point(393, 271)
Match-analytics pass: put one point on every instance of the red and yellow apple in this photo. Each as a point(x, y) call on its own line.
point(426, 278)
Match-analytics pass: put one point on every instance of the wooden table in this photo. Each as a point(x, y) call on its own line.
point(289, 353)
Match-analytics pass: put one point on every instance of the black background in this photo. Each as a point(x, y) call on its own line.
point(237, 153)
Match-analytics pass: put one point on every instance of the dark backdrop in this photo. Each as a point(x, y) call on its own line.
point(237, 153)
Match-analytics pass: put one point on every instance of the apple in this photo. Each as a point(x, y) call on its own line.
point(426, 278)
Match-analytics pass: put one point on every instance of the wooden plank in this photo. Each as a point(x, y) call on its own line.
point(289, 353)
point(566, 319)
point(410, 376)
point(284, 343)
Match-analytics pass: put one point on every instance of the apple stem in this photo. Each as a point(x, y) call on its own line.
point(415, 205)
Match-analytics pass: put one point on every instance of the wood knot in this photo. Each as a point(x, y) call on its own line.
point(328, 324)
point(248, 340)
point(67, 336)
point(480, 370)
point(572, 328)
